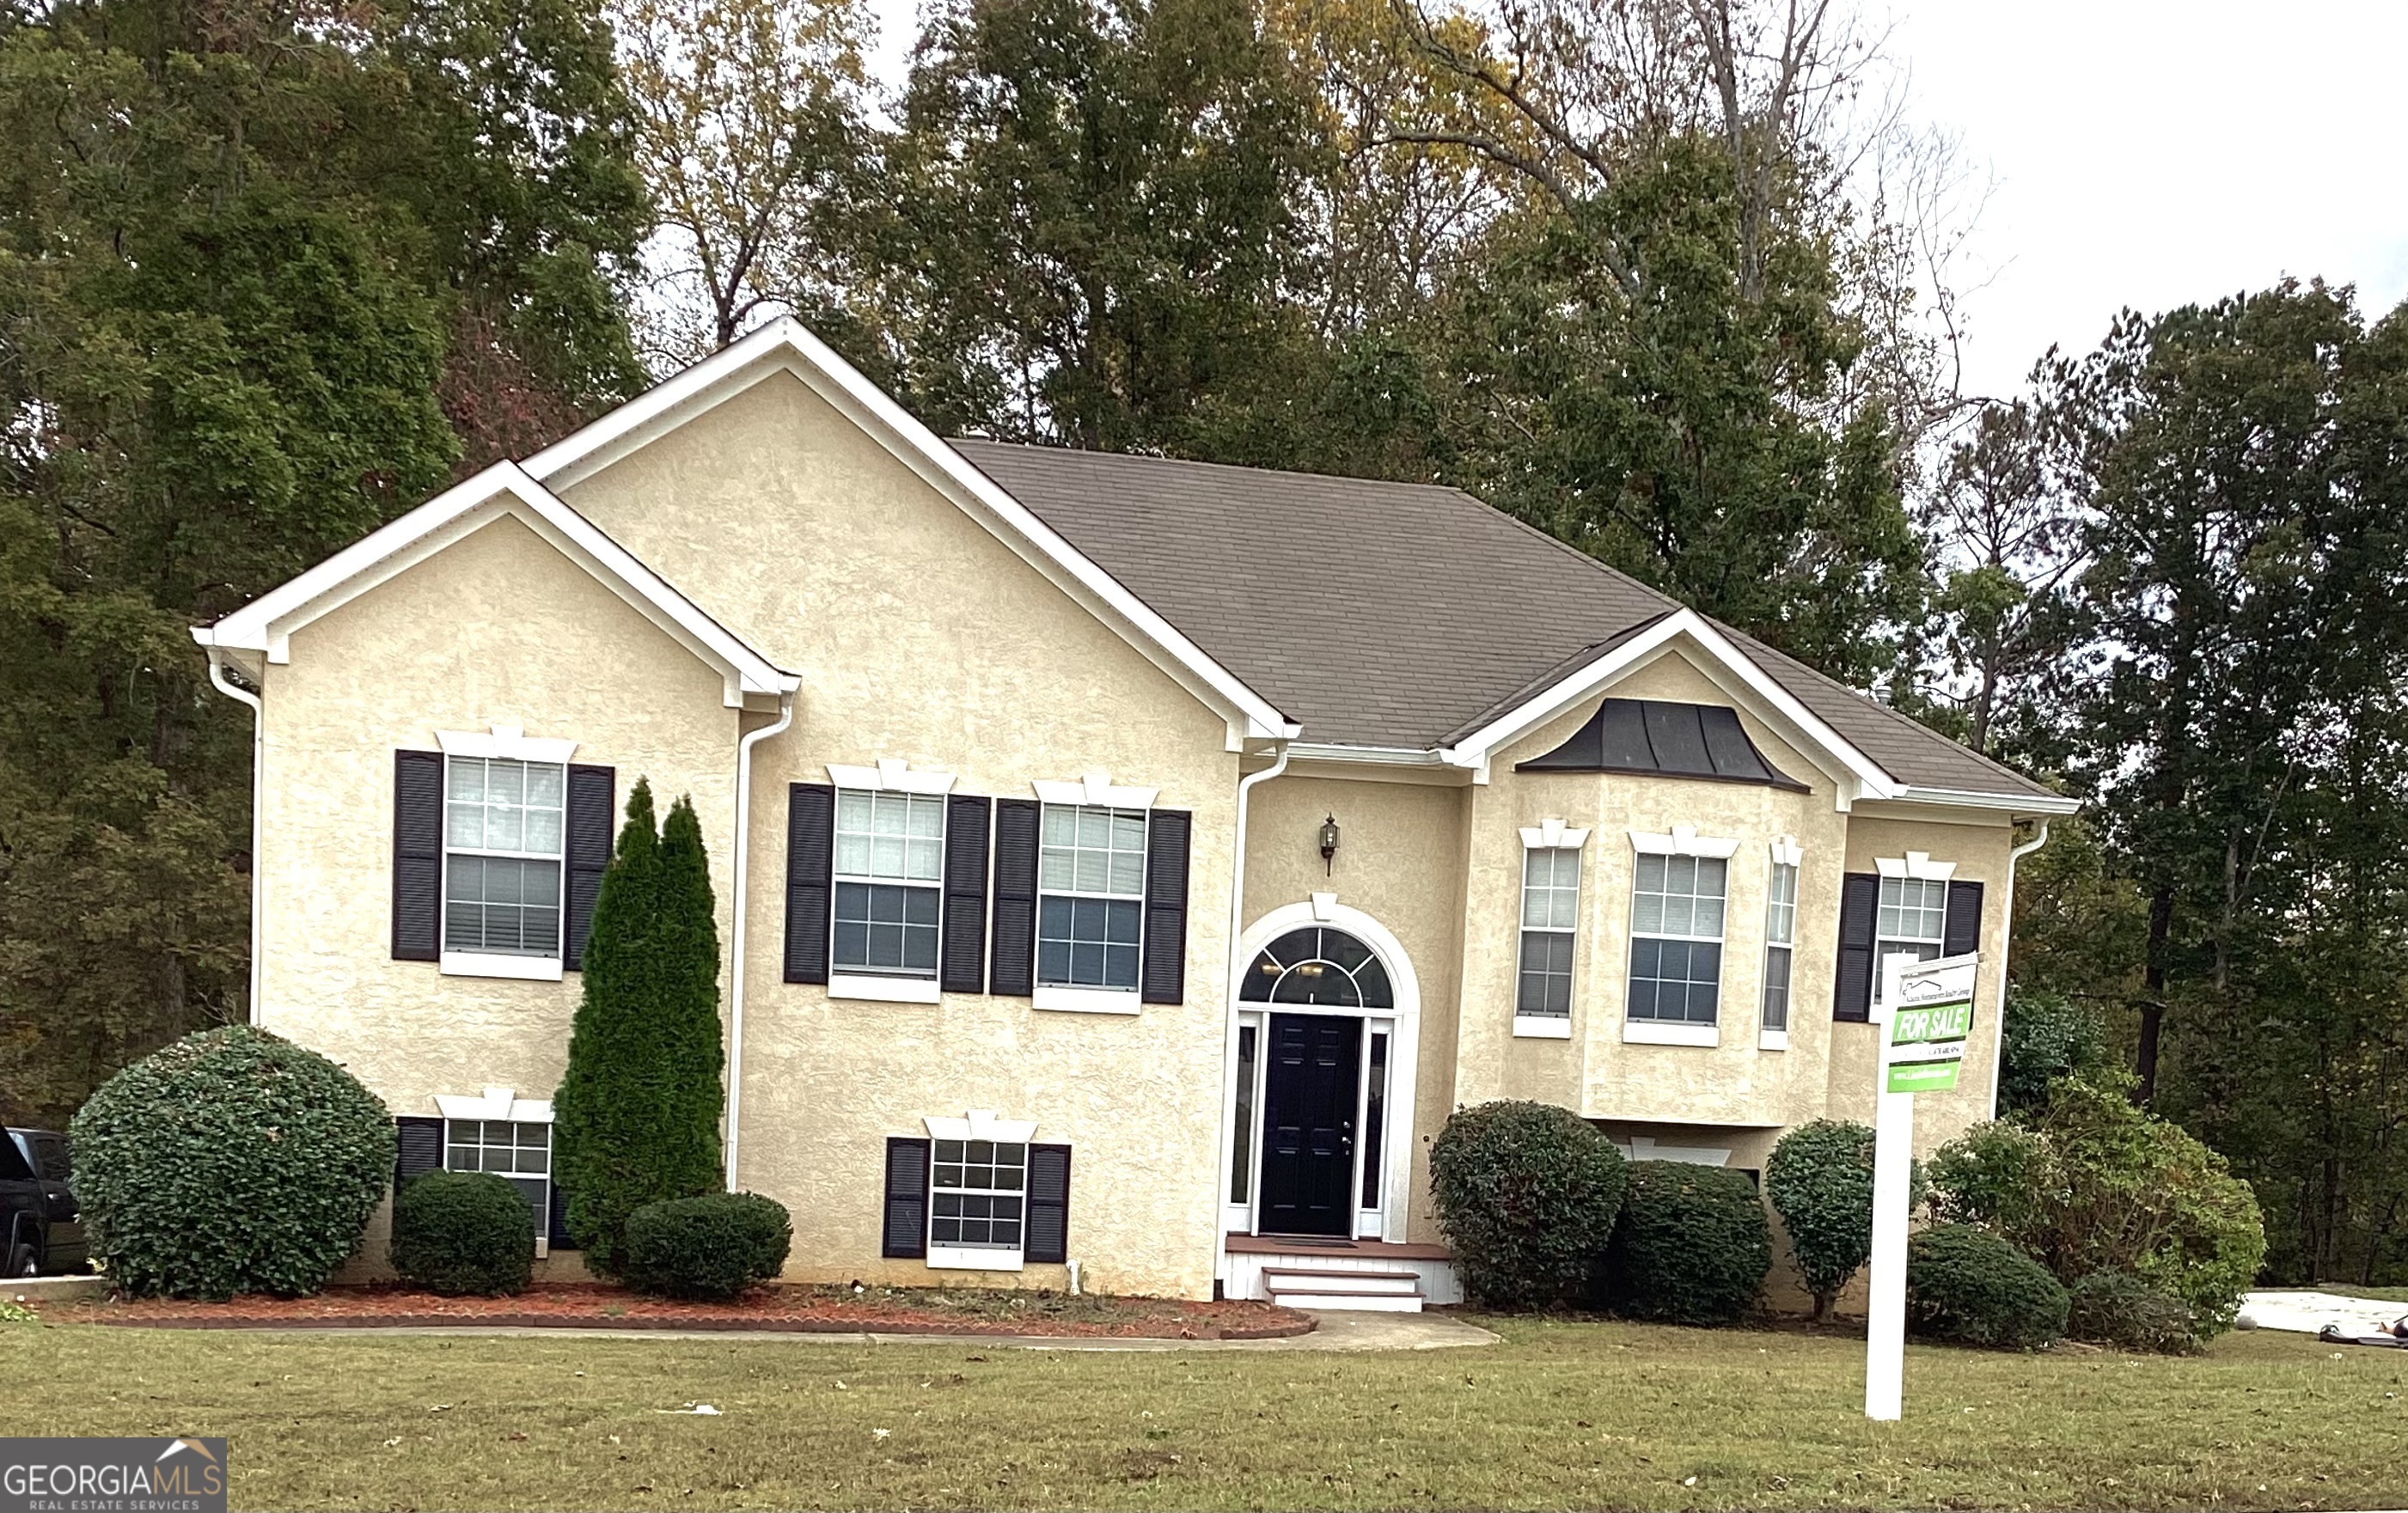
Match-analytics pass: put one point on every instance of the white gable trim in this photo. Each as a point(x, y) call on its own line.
point(268, 623)
point(1861, 777)
point(785, 344)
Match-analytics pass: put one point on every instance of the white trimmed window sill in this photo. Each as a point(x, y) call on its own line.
point(1543, 1027)
point(971, 1258)
point(470, 964)
point(874, 990)
point(1772, 1040)
point(1086, 1001)
point(1652, 1032)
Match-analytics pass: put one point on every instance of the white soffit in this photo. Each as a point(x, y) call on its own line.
point(784, 345)
point(268, 623)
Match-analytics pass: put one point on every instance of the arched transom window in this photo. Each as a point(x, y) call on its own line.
point(1314, 965)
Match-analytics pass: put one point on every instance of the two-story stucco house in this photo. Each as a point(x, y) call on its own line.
point(1124, 864)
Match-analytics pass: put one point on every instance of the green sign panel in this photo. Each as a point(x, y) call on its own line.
point(1929, 1030)
point(1923, 1077)
point(1941, 1022)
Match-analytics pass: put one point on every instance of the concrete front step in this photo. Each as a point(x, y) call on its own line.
point(1277, 1278)
point(1350, 1302)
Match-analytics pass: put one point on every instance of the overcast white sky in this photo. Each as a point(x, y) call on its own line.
point(2146, 153)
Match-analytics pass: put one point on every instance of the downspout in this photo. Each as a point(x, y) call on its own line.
point(2006, 945)
point(1228, 985)
point(218, 681)
point(736, 971)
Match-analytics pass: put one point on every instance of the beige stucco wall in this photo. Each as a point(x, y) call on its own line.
point(919, 635)
point(498, 630)
point(1400, 860)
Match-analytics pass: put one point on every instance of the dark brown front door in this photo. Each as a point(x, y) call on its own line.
point(1309, 1094)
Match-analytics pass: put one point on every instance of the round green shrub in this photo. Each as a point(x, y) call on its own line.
point(232, 1160)
point(455, 1232)
point(1527, 1198)
point(1970, 1287)
point(1820, 1182)
point(1693, 1245)
point(2114, 1308)
point(713, 1246)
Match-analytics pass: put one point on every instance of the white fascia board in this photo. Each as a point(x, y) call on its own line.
point(786, 343)
point(267, 623)
point(1872, 781)
point(2049, 803)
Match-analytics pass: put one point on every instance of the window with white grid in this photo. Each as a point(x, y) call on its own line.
point(1780, 942)
point(1911, 920)
point(890, 850)
point(517, 1151)
point(502, 827)
point(1090, 897)
point(1550, 913)
point(976, 1190)
point(1676, 938)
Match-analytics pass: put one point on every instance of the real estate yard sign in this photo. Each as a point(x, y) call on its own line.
point(1926, 1018)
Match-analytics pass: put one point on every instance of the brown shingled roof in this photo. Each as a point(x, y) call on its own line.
point(1391, 614)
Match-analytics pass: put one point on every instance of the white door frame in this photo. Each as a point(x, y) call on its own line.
point(1404, 1045)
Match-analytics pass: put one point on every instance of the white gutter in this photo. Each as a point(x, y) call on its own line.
point(1229, 987)
point(735, 954)
point(258, 751)
point(2006, 944)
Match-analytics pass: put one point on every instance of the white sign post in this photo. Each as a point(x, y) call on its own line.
point(1926, 1018)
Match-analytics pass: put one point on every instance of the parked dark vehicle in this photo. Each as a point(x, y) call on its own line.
point(39, 1222)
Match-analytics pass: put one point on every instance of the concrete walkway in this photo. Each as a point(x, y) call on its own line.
point(2306, 1312)
point(1338, 1330)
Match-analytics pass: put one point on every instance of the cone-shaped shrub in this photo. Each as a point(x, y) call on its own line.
point(637, 1118)
point(233, 1161)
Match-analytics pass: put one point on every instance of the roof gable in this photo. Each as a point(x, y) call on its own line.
point(267, 623)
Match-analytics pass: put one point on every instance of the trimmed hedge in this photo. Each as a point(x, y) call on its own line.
point(456, 1233)
point(1527, 1198)
point(232, 1160)
point(711, 1247)
point(1970, 1287)
point(1693, 1245)
point(2114, 1308)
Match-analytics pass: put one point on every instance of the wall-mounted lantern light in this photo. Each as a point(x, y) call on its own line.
point(1329, 845)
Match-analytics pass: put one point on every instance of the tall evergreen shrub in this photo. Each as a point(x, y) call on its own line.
point(637, 1118)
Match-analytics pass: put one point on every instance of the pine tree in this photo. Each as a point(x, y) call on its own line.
point(637, 1117)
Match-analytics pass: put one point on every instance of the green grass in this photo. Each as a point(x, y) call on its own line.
point(2386, 1294)
point(1563, 1415)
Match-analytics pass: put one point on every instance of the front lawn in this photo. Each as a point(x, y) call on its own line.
point(1563, 1415)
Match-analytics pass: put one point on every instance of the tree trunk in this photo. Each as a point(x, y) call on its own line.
point(2153, 1003)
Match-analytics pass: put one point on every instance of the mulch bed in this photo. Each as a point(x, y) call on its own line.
point(793, 1310)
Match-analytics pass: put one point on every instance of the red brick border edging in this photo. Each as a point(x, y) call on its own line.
point(711, 1325)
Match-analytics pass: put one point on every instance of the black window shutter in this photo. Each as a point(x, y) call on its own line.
point(907, 1198)
point(962, 963)
point(593, 800)
point(810, 858)
point(556, 1222)
point(1047, 1236)
point(1852, 997)
point(1961, 931)
point(417, 856)
point(1163, 974)
point(417, 1147)
point(1014, 969)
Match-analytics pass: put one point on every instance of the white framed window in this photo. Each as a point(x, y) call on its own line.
point(1911, 920)
point(1550, 915)
point(1676, 939)
point(977, 1202)
point(1090, 897)
point(890, 851)
point(1779, 944)
point(518, 1151)
point(502, 824)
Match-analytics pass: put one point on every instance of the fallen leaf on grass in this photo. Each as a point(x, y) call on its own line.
point(699, 1409)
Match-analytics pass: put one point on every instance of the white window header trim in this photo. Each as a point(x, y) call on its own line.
point(1096, 789)
point(981, 1124)
point(1553, 834)
point(890, 775)
point(1683, 841)
point(511, 743)
point(1787, 852)
point(1915, 864)
point(495, 1103)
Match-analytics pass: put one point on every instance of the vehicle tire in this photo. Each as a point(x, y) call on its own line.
point(24, 1262)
